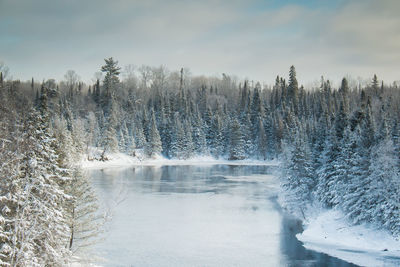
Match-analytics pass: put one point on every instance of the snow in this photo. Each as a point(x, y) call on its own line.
point(329, 232)
point(124, 160)
point(79, 262)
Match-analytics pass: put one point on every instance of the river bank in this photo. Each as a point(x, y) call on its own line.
point(116, 160)
point(328, 231)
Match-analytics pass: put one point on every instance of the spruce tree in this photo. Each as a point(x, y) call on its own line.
point(261, 140)
point(109, 139)
point(41, 229)
point(293, 89)
point(375, 84)
point(344, 92)
point(83, 219)
point(198, 136)
point(384, 188)
point(154, 147)
point(237, 143)
point(298, 178)
point(112, 71)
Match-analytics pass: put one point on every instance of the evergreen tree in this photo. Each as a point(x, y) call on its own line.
point(298, 174)
point(154, 147)
point(109, 140)
point(344, 92)
point(111, 79)
point(341, 121)
point(384, 188)
point(261, 140)
point(327, 173)
point(40, 226)
point(83, 220)
point(178, 135)
point(293, 89)
point(237, 143)
point(216, 145)
point(198, 136)
point(375, 84)
point(256, 108)
point(141, 142)
point(188, 146)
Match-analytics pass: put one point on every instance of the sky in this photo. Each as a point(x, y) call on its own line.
point(252, 39)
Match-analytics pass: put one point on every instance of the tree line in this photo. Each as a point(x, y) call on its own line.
point(339, 147)
point(346, 154)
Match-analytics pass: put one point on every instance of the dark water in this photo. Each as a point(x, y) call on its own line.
point(199, 216)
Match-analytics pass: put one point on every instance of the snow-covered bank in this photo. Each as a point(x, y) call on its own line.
point(331, 233)
point(123, 160)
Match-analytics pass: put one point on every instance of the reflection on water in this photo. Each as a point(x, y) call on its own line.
point(219, 215)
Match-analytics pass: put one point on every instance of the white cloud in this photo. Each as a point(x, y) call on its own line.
point(45, 38)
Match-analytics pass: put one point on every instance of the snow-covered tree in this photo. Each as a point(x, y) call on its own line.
point(111, 79)
point(237, 143)
point(298, 175)
point(154, 146)
point(39, 231)
point(82, 217)
point(109, 140)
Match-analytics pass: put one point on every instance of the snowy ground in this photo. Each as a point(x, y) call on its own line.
point(123, 160)
point(330, 233)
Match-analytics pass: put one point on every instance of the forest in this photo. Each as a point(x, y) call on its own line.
point(338, 147)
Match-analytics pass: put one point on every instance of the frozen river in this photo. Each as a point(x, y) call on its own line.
point(198, 216)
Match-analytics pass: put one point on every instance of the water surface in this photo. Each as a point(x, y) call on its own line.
point(217, 215)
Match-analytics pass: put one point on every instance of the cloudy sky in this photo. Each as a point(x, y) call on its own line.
point(252, 39)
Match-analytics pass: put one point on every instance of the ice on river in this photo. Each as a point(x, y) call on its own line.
point(197, 216)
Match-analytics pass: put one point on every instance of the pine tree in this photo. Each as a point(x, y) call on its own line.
point(245, 124)
point(261, 140)
point(81, 206)
point(111, 78)
point(128, 141)
point(352, 186)
point(237, 143)
point(166, 134)
point(83, 220)
point(198, 136)
point(65, 143)
point(121, 141)
point(154, 147)
point(216, 137)
point(92, 129)
point(375, 84)
point(344, 92)
point(384, 188)
point(341, 120)
point(293, 89)
point(177, 138)
point(140, 138)
point(11, 197)
point(344, 165)
point(299, 180)
point(188, 146)
point(327, 173)
point(40, 229)
point(256, 108)
point(109, 138)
